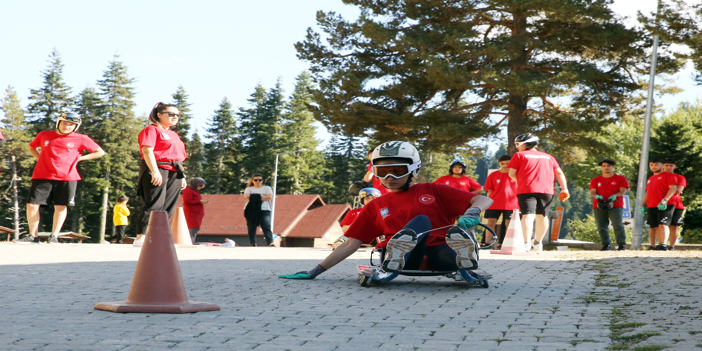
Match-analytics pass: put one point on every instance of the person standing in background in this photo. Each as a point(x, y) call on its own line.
point(55, 177)
point(607, 190)
point(534, 172)
point(194, 206)
point(258, 209)
point(503, 191)
point(161, 173)
point(676, 201)
point(120, 219)
point(457, 178)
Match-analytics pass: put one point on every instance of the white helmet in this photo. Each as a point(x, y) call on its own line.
point(68, 117)
point(398, 150)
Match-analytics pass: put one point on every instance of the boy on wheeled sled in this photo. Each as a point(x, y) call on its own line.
point(415, 219)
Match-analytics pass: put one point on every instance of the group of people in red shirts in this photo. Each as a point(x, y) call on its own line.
point(55, 176)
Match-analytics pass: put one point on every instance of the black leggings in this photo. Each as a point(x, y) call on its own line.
point(441, 258)
point(157, 198)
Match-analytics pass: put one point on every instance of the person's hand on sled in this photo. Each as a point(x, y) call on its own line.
point(469, 219)
point(311, 274)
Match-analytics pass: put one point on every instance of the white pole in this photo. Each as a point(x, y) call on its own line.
point(275, 186)
point(637, 233)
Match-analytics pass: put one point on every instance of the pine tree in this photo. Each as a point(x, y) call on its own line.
point(300, 172)
point(222, 151)
point(115, 129)
point(346, 164)
point(196, 157)
point(260, 131)
point(52, 99)
point(180, 99)
point(16, 177)
point(447, 72)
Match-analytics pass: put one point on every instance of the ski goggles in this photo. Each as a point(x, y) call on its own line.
point(395, 170)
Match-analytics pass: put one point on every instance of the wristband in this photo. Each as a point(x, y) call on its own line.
point(317, 270)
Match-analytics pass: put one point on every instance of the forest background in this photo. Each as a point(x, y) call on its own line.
point(451, 76)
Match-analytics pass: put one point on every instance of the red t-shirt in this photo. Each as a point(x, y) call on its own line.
point(351, 216)
point(463, 182)
point(389, 213)
point(166, 143)
point(657, 186)
point(535, 171)
point(193, 207)
point(59, 154)
point(504, 191)
point(376, 182)
point(608, 186)
point(675, 199)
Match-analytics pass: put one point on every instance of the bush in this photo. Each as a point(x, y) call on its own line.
point(692, 226)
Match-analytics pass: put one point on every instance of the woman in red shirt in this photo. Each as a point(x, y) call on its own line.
point(194, 205)
point(161, 173)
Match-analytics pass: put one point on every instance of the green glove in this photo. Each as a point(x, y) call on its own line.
point(612, 198)
point(470, 219)
point(599, 197)
point(663, 205)
point(298, 275)
point(642, 210)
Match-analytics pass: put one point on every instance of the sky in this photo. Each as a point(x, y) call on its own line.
point(214, 49)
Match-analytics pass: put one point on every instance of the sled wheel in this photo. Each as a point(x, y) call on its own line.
point(364, 280)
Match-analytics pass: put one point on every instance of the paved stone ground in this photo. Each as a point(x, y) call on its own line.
point(553, 301)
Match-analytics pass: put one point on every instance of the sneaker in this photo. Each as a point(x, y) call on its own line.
point(606, 248)
point(661, 247)
point(398, 248)
point(538, 246)
point(29, 239)
point(621, 247)
point(465, 246)
point(53, 239)
point(671, 248)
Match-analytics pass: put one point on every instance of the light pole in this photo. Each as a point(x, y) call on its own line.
point(275, 185)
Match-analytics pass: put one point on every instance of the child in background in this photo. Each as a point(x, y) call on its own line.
point(119, 219)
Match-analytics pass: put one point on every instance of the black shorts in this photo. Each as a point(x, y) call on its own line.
point(534, 203)
point(677, 217)
point(60, 192)
point(506, 214)
point(657, 217)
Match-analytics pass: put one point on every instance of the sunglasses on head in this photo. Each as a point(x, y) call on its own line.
point(395, 170)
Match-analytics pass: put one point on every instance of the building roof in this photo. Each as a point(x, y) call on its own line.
point(296, 216)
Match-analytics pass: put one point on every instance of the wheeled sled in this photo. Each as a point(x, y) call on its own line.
point(374, 274)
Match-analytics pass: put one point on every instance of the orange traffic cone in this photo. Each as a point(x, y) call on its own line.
point(179, 228)
point(514, 239)
point(157, 286)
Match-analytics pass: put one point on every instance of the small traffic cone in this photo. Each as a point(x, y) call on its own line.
point(514, 239)
point(179, 228)
point(157, 286)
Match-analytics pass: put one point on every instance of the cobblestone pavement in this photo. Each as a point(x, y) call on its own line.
point(552, 301)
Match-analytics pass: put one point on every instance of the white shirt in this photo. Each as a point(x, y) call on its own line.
point(263, 190)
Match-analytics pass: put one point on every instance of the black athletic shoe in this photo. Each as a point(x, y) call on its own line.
point(661, 247)
point(606, 248)
point(621, 247)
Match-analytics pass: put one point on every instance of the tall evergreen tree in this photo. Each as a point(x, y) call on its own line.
point(222, 151)
point(52, 98)
point(115, 128)
point(180, 99)
point(196, 157)
point(260, 130)
point(346, 164)
point(15, 178)
point(445, 72)
point(300, 172)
